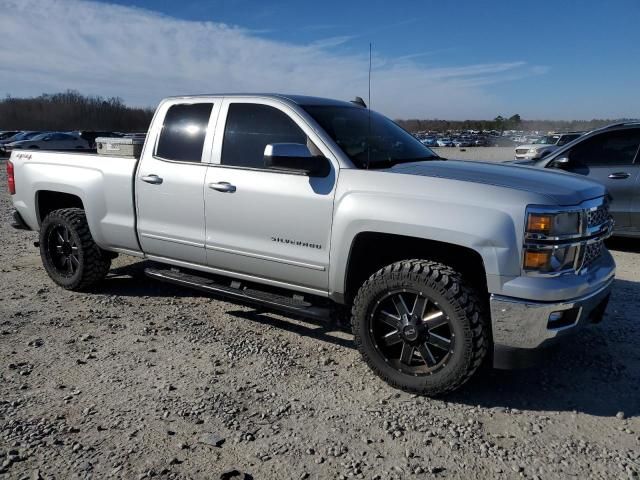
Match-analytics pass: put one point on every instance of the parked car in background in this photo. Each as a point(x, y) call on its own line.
point(462, 142)
point(4, 135)
point(444, 142)
point(50, 141)
point(609, 155)
point(25, 135)
point(429, 141)
point(545, 145)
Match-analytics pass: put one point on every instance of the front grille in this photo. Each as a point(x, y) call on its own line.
point(521, 151)
point(591, 253)
point(598, 216)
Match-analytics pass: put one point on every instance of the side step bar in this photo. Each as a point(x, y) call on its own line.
point(235, 290)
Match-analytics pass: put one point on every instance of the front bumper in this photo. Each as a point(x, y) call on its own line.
point(522, 328)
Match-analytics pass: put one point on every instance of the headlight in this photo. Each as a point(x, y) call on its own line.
point(533, 150)
point(553, 224)
point(542, 229)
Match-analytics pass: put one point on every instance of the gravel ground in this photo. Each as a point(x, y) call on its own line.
point(140, 379)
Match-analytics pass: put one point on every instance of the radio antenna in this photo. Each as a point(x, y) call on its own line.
point(369, 76)
point(369, 113)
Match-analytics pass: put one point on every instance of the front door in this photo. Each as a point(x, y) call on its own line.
point(170, 182)
point(610, 158)
point(264, 224)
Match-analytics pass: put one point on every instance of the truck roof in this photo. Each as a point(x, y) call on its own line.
point(297, 99)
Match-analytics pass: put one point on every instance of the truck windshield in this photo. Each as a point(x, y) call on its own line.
point(380, 145)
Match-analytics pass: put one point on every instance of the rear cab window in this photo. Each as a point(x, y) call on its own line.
point(183, 132)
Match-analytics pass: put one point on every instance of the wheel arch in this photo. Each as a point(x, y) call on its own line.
point(370, 251)
point(46, 201)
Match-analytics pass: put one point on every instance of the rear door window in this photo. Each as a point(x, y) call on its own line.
point(183, 132)
point(609, 148)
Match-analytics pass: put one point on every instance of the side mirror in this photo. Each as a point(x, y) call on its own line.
point(561, 162)
point(295, 158)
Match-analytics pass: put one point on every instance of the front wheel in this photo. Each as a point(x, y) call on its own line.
point(420, 327)
point(68, 252)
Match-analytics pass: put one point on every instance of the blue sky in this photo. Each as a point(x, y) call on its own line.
point(432, 59)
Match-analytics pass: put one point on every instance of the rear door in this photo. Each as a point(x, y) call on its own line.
point(610, 158)
point(268, 225)
point(170, 181)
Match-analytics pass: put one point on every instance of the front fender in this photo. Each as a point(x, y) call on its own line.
point(489, 231)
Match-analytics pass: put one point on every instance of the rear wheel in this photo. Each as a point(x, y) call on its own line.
point(68, 252)
point(420, 327)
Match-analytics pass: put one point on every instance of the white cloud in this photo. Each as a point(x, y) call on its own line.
point(142, 56)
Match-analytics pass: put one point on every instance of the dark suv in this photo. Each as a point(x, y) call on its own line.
point(609, 155)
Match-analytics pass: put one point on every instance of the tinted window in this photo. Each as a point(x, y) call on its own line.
point(250, 128)
point(611, 148)
point(183, 132)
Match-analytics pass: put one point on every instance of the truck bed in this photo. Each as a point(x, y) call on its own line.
point(104, 185)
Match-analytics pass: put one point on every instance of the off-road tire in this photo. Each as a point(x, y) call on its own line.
point(94, 263)
point(462, 304)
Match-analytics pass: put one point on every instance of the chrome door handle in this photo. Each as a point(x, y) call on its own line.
point(619, 175)
point(223, 187)
point(153, 179)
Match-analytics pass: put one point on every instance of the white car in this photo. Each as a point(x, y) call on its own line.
point(545, 145)
point(50, 141)
point(444, 142)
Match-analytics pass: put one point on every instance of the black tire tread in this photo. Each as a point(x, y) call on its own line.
point(453, 286)
point(96, 264)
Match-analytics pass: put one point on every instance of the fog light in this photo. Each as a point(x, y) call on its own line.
point(555, 316)
point(563, 318)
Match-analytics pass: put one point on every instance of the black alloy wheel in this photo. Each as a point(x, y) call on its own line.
point(412, 332)
point(420, 326)
point(69, 255)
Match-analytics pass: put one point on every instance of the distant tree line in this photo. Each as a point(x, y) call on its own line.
point(501, 124)
point(72, 111)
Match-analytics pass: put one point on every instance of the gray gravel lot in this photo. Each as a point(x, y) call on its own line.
point(140, 379)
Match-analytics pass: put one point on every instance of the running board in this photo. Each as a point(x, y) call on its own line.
point(236, 290)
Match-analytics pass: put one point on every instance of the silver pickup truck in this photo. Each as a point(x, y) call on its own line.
point(316, 207)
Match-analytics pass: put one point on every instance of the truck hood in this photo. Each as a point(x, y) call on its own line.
point(561, 187)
